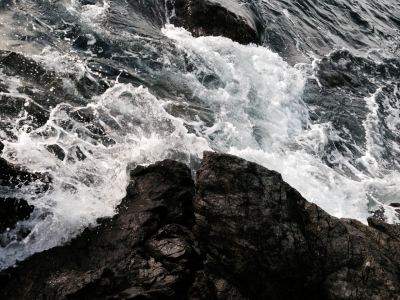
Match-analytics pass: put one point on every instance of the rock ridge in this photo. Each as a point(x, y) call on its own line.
point(237, 232)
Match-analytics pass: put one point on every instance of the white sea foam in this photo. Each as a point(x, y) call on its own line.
point(260, 116)
point(257, 114)
point(126, 125)
point(62, 64)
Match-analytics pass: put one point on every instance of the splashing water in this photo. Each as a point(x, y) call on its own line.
point(260, 116)
point(92, 147)
point(254, 110)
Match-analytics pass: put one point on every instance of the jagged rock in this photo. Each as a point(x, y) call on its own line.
point(144, 251)
point(218, 18)
point(239, 232)
point(245, 224)
point(262, 237)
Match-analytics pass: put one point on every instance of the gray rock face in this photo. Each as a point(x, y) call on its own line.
point(238, 232)
point(218, 18)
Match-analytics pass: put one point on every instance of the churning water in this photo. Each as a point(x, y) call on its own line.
point(206, 93)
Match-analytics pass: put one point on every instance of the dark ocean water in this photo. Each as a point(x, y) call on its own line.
point(90, 89)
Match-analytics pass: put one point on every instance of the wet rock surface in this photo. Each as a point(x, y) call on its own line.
point(297, 30)
point(263, 234)
point(217, 18)
point(144, 250)
point(238, 232)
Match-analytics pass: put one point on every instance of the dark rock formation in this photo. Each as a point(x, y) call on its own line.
point(13, 210)
point(246, 224)
point(240, 232)
point(263, 240)
point(144, 250)
point(218, 18)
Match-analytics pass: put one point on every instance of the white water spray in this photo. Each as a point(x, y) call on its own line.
point(254, 98)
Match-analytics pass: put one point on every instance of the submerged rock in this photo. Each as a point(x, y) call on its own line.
point(238, 232)
point(343, 97)
point(13, 176)
point(218, 18)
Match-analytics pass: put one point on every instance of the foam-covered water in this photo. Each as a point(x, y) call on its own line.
point(90, 149)
point(244, 100)
point(260, 116)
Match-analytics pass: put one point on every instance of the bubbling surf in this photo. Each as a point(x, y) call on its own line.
point(254, 109)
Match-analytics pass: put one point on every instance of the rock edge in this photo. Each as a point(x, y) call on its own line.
point(238, 232)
